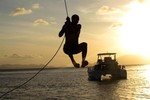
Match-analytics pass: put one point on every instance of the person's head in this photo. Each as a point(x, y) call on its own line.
point(75, 18)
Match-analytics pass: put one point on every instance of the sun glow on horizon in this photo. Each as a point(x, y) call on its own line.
point(135, 32)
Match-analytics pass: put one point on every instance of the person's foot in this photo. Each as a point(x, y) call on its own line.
point(76, 65)
point(84, 63)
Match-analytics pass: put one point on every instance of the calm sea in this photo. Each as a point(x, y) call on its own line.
point(73, 84)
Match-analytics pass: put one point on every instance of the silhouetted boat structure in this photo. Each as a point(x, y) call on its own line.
point(107, 65)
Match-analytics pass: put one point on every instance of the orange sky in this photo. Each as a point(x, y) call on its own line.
point(29, 30)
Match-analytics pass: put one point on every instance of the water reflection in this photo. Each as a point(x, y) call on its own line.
point(68, 84)
point(146, 72)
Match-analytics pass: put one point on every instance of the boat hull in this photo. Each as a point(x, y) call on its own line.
point(95, 75)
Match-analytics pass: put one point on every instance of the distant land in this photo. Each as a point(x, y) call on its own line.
point(19, 67)
point(122, 60)
point(133, 60)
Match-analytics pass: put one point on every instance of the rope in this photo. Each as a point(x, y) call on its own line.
point(42, 67)
point(36, 73)
point(66, 7)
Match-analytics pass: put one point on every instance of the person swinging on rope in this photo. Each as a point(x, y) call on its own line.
point(71, 29)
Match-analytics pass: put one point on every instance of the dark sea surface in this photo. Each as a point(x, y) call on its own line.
point(73, 84)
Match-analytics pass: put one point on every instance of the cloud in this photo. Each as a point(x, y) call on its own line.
point(36, 6)
point(116, 25)
point(52, 18)
point(141, 1)
point(21, 11)
point(53, 21)
point(18, 56)
point(40, 22)
point(107, 10)
point(85, 10)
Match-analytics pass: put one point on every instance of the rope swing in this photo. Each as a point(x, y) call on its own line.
point(42, 67)
point(66, 8)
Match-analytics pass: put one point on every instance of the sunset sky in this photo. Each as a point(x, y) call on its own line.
point(29, 29)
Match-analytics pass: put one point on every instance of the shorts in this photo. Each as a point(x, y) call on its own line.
point(71, 49)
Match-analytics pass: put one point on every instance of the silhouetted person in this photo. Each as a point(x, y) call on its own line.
point(71, 29)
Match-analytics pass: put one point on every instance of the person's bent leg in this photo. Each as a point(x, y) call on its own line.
point(67, 51)
point(76, 65)
point(83, 49)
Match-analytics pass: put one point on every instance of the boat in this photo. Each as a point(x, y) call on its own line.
point(108, 66)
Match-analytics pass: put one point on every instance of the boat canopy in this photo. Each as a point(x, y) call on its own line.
point(106, 54)
point(102, 55)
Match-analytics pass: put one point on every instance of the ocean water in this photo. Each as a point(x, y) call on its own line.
point(73, 84)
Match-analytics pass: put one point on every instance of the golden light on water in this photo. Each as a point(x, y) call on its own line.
point(146, 73)
point(135, 32)
point(146, 77)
